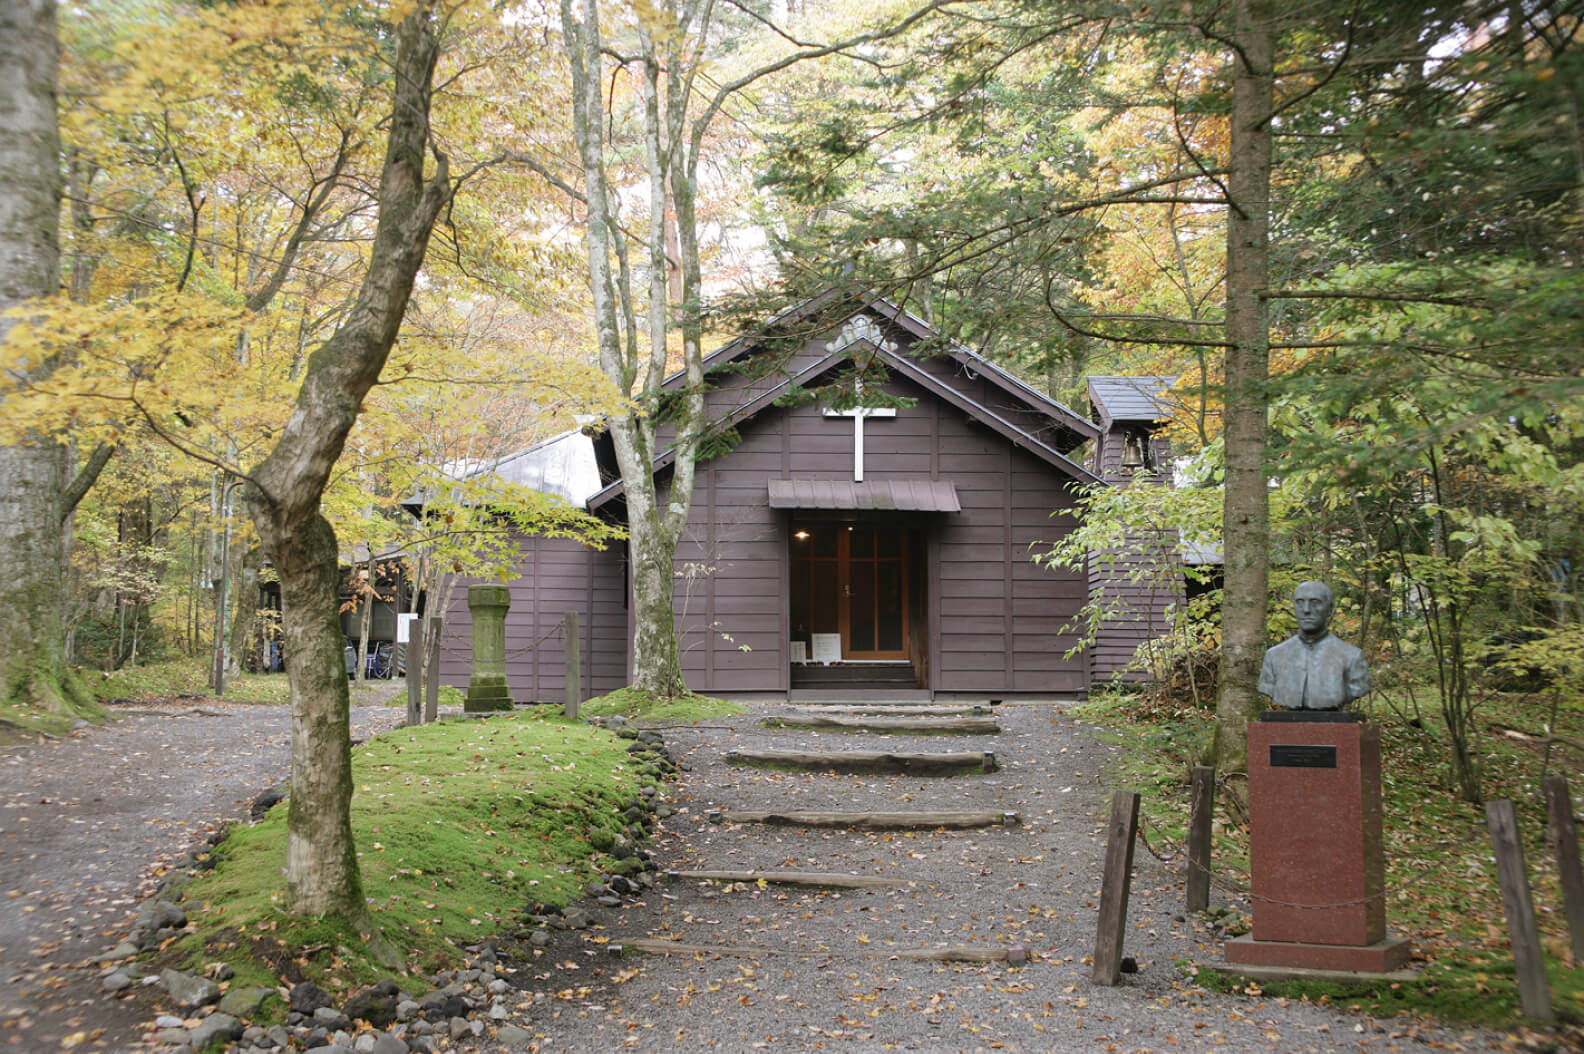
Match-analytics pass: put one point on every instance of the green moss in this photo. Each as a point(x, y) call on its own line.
point(641, 706)
point(1475, 988)
point(42, 702)
point(185, 677)
point(459, 825)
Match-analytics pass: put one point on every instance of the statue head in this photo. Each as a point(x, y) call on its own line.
point(1313, 603)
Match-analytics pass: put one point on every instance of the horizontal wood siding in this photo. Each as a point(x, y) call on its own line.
point(1138, 583)
point(730, 593)
point(1136, 610)
point(1000, 617)
point(554, 576)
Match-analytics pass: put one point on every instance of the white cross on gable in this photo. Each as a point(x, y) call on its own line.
point(858, 414)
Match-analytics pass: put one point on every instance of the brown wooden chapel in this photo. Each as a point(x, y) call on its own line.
point(883, 552)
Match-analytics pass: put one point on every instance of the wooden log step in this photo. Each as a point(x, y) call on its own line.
point(880, 761)
point(872, 821)
point(816, 879)
point(985, 726)
point(895, 709)
point(954, 954)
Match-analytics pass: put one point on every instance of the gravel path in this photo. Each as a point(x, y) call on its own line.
point(83, 818)
point(85, 822)
point(828, 981)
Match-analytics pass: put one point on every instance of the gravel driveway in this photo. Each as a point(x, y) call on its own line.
point(823, 978)
point(85, 821)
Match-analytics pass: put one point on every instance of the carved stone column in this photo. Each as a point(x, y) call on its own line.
point(487, 688)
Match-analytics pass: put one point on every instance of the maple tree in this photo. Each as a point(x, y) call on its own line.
point(245, 252)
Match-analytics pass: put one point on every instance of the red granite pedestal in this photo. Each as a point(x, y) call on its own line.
point(1318, 871)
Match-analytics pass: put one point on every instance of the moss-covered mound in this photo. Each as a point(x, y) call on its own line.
point(461, 828)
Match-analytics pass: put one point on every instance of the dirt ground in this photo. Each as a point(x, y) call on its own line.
point(87, 820)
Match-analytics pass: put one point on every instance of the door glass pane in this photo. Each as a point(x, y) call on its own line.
point(862, 610)
point(799, 582)
point(824, 615)
point(823, 542)
point(888, 603)
point(863, 541)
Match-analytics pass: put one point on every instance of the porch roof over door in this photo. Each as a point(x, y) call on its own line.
point(890, 495)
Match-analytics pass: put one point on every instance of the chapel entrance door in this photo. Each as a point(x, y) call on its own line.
point(852, 580)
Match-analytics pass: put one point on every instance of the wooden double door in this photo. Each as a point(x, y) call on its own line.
point(854, 580)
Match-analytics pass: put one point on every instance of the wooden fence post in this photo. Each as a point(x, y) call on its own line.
point(1201, 810)
point(1562, 833)
point(574, 666)
point(414, 686)
point(432, 632)
point(1114, 888)
point(1528, 961)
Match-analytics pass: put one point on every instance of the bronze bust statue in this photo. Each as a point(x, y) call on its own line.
point(1314, 670)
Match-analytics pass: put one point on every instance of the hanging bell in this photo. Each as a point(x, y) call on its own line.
point(1132, 452)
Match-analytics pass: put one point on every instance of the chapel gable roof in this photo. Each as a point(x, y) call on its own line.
point(860, 330)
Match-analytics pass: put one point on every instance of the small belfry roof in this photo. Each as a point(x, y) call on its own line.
point(1131, 398)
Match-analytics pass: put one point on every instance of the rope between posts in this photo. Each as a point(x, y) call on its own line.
point(559, 627)
point(1232, 885)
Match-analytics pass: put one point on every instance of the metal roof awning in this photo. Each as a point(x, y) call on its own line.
point(891, 495)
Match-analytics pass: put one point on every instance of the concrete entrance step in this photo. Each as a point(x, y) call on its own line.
point(897, 709)
point(856, 677)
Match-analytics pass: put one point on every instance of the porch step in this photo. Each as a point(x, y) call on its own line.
point(858, 677)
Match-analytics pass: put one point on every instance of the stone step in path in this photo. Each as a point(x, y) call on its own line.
point(897, 709)
point(871, 761)
point(959, 820)
point(932, 725)
point(811, 879)
point(872, 821)
point(1016, 956)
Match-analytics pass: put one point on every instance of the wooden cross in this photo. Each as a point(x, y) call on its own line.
point(858, 414)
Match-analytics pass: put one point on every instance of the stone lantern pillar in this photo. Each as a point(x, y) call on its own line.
point(487, 688)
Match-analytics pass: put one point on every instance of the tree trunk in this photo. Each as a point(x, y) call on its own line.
point(244, 609)
point(365, 591)
point(33, 669)
point(657, 659)
point(1247, 512)
point(653, 530)
point(321, 863)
